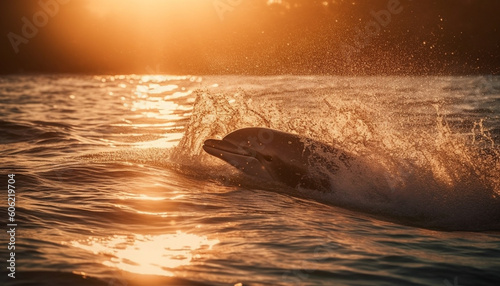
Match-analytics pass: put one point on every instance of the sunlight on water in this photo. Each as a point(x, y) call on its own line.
point(147, 254)
point(104, 201)
point(155, 105)
point(154, 88)
point(167, 142)
point(147, 198)
point(127, 196)
point(164, 78)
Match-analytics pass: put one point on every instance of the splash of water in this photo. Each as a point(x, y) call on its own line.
point(426, 174)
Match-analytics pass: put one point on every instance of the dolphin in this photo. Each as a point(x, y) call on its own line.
point(350, 181)
point(290, 159)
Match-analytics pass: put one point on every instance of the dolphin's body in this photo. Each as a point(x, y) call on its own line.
point(274, 155)
point(350, 181)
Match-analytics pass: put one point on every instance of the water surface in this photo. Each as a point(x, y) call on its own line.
point(113, 188)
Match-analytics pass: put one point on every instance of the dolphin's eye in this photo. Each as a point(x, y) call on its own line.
point(268, 158)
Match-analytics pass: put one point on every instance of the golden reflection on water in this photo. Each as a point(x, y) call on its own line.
point(144, 197)
point(157, 105)
point(147, 254)
point(158, 108)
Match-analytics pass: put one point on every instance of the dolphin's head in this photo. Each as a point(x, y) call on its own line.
point(263, 153)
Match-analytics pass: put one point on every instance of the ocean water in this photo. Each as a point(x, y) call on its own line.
point(112, 186)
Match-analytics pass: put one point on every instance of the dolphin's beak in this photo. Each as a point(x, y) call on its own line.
point(242, 158)
point(218, 147)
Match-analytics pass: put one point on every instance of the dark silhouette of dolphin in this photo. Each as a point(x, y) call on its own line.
point(274, 155)
point(351, 181)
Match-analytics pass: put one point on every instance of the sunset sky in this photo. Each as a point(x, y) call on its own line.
point(250, 37)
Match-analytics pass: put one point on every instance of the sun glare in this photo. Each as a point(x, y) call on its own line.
point(103, 8)
point(147, 254)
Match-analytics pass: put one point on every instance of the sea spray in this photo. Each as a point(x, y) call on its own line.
point(424, 173)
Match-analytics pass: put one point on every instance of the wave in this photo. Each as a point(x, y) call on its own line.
point(411, 168)
point(32, 131)
point(79, 278)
